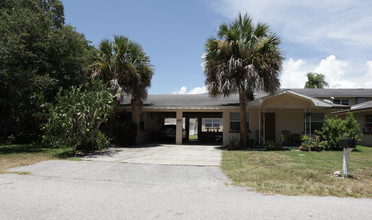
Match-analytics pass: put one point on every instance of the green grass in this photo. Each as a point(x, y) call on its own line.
point(193, 137)
point(14, 155)
point(301, 173)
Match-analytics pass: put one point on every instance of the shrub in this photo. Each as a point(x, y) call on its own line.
point(335, 128)
point(75, 118)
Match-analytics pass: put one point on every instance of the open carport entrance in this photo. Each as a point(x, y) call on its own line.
point(203, 127)
point(197, 127)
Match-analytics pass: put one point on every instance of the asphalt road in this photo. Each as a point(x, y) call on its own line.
point(111, 190)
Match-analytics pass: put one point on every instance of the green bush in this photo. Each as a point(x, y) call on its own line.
point(75, 118)
point(335, 128)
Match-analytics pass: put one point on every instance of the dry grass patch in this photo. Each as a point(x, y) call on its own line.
point(301, 173)
point(15, 155)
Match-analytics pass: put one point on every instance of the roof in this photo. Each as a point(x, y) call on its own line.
point(175, 101)
point(362, 106)
point(204, 101)
point(323, 93)
point(315, 101)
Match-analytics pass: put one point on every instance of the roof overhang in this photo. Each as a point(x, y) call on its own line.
point(314, 101)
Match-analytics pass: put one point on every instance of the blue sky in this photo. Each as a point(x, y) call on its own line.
point(319, 35)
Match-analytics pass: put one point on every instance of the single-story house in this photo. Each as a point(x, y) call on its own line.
point(294, 112)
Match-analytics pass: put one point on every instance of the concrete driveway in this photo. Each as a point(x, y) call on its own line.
point(166, 154)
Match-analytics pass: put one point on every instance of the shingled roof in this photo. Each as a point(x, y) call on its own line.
point(323, 93)
point(205, 101)
point(186, 101)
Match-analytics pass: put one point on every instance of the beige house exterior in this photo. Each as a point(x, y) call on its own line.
point(294, 111)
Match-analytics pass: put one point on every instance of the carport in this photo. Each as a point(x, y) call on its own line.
point(190, 128)
point(205, 120)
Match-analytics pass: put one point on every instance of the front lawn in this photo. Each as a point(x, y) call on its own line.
point(15, 155)
point(297, 172)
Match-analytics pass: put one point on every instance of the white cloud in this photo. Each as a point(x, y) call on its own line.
point(181, 91)
point(369, 73)
point(203, 61)
point(335, 71)
point(294, 74)
point(196, 90)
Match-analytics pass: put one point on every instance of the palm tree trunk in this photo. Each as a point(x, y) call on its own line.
point(113, 115)
point(243, 126)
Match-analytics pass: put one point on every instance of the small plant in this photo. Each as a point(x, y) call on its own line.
point(285, 137)
point(271, 145)
point(233, 143)
point(282, 139)
point(311, 143)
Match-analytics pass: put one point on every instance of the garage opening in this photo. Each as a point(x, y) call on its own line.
point(203, 127)
point(197, 128)
point(193, 130)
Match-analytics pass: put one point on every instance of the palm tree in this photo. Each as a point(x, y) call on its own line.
point(126, 66)
point(315, 81)
point(245, 57)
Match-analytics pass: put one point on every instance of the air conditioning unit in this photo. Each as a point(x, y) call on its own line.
point(367, 130)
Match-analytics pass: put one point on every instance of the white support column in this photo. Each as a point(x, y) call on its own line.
point(226, 127)
point(179, 117)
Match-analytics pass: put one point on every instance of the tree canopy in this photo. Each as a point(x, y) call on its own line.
point(126, 66)
point(315, 81)
point(243, 58)
point(38, 54)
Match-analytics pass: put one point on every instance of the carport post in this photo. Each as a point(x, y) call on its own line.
point(179, 116)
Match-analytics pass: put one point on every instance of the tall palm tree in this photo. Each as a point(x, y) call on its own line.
point(245, 57)
point(126, 66)
point(315, 81)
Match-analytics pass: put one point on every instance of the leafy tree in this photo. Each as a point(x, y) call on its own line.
point(315, 81)
point(75, 118)
point(331, 132)
point(335, 128)
point(245, 57)
point(126, 66)
point(351, 128)
point(38, 54)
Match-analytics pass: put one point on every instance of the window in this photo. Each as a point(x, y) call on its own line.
point(235, 121)
point(316, 120)
point(369, 121)
point(341, 101)
point(211, 124)
point(142, 122)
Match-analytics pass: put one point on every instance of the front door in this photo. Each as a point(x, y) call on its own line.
point(270, 127)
